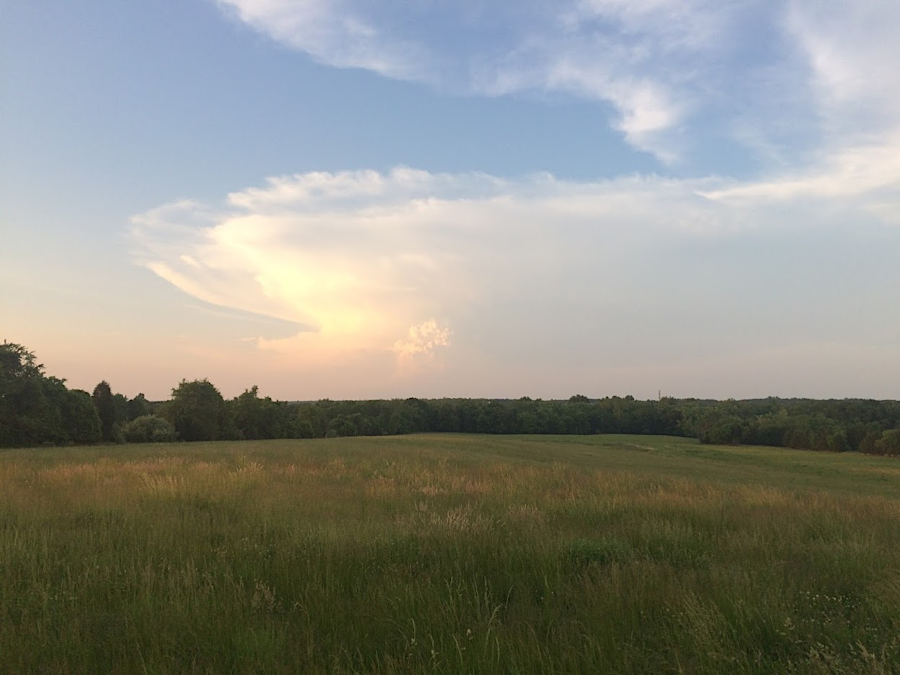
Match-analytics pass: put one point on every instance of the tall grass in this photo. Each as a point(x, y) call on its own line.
point(448, 554)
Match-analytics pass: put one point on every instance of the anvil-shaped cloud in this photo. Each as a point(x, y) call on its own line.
point(401, 266)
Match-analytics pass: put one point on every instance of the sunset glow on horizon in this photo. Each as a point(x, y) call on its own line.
point(334, 199)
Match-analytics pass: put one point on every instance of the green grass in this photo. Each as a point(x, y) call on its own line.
point(448, 554)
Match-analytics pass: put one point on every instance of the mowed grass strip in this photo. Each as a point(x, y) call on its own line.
point(448, 554)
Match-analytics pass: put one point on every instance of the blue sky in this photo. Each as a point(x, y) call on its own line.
point(351, 199)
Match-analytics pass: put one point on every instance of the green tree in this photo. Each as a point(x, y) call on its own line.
point(197, 411)
point(120, 405)
point(80, 419)
point(299, 428)
point(258, 418)
point(889, 443)
point(26, 415)
point(138, 407)
point(247, 412)
point(342, 426)
point(36, 409)
point(869, 443)
point(106, 409)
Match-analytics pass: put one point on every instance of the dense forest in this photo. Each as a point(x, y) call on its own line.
point(38, 409)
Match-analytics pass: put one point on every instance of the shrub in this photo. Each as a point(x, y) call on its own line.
point(889, 444)
point(149, 429)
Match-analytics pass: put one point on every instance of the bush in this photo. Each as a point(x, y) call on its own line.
point(727, 431)
point(298, 428)
point(869, 443)
point(149, 429)
point(889, 444)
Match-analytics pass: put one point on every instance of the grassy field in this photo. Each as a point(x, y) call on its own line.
point(448, 554)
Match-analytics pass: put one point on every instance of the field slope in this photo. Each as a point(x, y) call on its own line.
point(448, 554)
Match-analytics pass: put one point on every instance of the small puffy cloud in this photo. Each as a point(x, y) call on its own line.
point(421, 343)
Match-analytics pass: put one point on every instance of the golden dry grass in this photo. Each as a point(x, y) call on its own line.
point(448, 554)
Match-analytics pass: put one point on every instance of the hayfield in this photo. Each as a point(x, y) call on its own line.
point(448, 554)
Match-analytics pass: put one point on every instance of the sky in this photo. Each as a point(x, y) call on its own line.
point(346, 199)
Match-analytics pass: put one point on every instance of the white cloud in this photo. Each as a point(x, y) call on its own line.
point(673, 24)
point(541, 279)
point(794, 80)
point(846, 173)
point(421, 344)
point(333, 32)
point(853, 51)
point(850, 52)
point(643, 58)
point(545, 280)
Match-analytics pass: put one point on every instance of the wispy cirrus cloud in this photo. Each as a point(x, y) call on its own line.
point(853, 92)
point(851, 50)
point(335, 32)
point(641, 58)
point(791, 81)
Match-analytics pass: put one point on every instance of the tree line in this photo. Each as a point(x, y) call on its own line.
point(37, 409)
